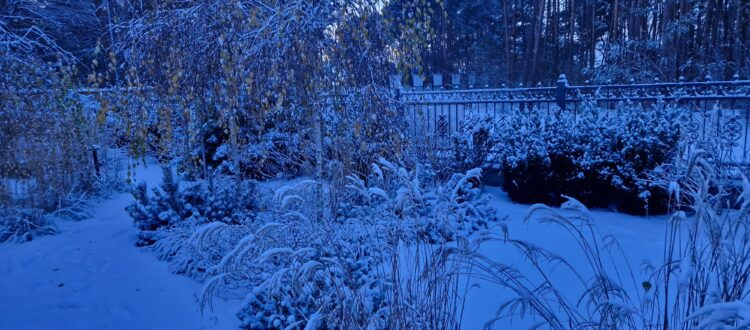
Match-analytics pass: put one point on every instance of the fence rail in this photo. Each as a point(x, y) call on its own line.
point(564, 93)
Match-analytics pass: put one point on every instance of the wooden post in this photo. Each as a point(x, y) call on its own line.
point(95, 156)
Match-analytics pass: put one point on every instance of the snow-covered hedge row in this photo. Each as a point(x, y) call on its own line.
point(600, 157)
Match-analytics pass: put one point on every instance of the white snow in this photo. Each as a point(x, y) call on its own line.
point(92, 276)
point(641, 237)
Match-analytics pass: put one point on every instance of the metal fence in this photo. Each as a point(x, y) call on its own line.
point(716, 107)
point(721, 108)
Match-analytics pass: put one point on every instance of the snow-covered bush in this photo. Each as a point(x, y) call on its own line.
point(472, 144)
point(279, 147)
point(295, 267)
point(427, 209)
point(207, 147)
point(330, 258)
point(193, 247)
point(175, 202)
point(316, 288)
point(22, 225)
point(599, 157)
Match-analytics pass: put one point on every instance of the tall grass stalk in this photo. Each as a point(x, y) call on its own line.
point(701, 282)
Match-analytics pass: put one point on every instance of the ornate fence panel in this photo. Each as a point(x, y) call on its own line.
point(721, 108)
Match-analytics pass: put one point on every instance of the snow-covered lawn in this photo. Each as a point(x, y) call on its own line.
point(641, 237)
point(91, 276)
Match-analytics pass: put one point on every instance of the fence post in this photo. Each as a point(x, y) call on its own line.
point(94, 148)
point(561, 97)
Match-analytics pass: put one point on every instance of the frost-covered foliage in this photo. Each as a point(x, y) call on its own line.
point(362, 126)
point(427, 210)
point(48, 136)
point(192, 248)
point(706, 266)
point(473, 144)
point(250, 78)
point(22, 225)
point(600, 157)
point(296, 266)
point(176, 202)
point(329, 256)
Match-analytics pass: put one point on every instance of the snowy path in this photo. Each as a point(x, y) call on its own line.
point(91, 276)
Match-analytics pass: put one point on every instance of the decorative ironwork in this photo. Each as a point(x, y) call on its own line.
point(441, 126)
point(732, 132)
point(720, 90)
point(693, 129)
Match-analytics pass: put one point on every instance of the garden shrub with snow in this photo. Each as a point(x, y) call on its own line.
point(327, 254)
point(176, 202)
point(473, 143)
point(22, 225)
point(599, 157)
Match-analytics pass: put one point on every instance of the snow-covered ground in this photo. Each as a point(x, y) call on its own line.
point(91, 276)
point(641, 237)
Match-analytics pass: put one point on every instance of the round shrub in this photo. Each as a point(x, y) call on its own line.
point(602, 158)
